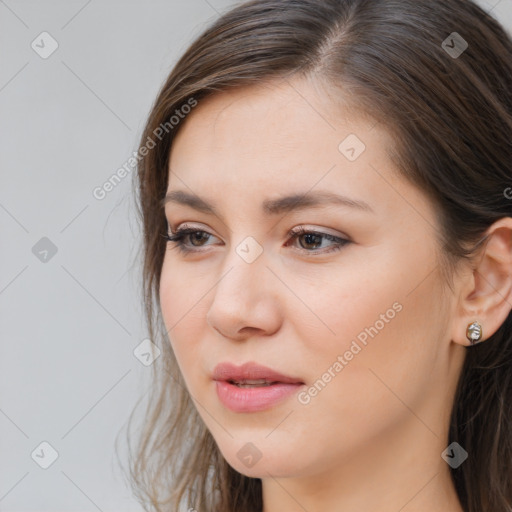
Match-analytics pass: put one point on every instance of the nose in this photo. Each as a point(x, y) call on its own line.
point(246, 301)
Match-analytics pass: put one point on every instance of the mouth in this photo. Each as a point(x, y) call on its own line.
point(252, 387)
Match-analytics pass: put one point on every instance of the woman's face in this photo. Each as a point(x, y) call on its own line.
point(361, 319)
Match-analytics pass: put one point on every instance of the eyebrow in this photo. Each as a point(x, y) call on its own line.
point(272, 206)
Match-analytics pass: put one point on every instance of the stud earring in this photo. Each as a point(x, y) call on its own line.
point(474, 333)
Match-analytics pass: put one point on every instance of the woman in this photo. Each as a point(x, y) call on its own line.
point(328, 262)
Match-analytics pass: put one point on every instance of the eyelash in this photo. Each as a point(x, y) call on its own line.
point(295, 233)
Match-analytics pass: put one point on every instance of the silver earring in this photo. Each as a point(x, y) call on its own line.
point(474, 333)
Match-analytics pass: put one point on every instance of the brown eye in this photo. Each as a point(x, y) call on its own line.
point(186, 238)
point(198, 236)
point(311, 239)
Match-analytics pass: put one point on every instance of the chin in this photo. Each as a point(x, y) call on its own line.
point(261, 463)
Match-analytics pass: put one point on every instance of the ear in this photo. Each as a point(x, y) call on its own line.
point(486, 291)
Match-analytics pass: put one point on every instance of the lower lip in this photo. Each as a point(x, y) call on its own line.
point(253, 399)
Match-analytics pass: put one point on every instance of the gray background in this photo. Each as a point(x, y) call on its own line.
point(71, 320)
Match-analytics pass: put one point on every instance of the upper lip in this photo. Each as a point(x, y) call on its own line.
point(251, 371)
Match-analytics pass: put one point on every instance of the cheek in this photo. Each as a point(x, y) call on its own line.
point(182, 300)
point(384, 301)
point(380, 332)
point(183, 294)
point(344, 303)
point(375, 384)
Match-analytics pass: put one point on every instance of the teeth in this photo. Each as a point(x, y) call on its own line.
point(252, 383)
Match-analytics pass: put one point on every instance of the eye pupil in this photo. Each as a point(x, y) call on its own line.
point(312, 238)
point(200, 235)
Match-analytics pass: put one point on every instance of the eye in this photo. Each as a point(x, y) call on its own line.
point(187, 239)
point(314, 238)
point(194, 235)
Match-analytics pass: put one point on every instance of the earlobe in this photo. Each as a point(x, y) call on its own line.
point(487, 297)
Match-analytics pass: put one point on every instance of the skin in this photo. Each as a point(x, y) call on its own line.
point(372, 438)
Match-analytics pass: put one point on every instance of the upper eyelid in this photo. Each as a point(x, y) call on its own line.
point(305, 227)
point(293, 233)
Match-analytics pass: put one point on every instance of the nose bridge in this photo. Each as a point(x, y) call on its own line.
point(242, 297)
point(244, 272)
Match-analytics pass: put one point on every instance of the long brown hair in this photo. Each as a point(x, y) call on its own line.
point(447, 101)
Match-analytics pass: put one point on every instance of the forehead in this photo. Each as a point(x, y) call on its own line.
point(280, 113)
point(245, 146)
point(279, 130)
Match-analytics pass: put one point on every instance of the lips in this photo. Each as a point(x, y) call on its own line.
point(251, 387)
point(251, 372)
